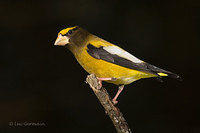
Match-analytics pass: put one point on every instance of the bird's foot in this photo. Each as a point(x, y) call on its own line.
point(121, 87)
point(103, 79)
point(114, 101)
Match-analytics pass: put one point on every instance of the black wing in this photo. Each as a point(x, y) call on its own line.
point(100, 53)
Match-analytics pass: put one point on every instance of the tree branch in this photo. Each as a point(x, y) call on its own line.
point(114, 113)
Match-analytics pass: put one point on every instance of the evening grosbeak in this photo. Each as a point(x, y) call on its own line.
point(107, 61)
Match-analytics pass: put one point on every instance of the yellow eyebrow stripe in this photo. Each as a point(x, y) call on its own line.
point(64, 31)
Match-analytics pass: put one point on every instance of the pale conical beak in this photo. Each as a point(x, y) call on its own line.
point(61, 40)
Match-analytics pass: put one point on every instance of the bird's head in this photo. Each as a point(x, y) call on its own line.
point(71, 36)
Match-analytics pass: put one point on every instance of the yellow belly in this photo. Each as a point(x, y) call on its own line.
point(105, 69)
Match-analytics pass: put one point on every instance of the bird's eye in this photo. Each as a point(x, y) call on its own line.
point(69, 32)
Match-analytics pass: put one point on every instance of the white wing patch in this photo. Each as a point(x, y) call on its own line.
point(122, 53)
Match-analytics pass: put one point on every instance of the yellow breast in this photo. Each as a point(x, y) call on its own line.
point(105, 69)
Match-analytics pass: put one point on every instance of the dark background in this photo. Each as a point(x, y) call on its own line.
point(41, 83)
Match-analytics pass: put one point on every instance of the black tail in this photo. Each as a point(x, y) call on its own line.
point(156, 70)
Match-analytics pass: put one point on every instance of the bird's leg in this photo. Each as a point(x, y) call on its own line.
point(121, 87)
point(102, 79)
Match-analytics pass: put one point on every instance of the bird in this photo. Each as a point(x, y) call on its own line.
point(107, 61)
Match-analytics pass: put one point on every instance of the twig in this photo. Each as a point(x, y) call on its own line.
point(114, 113)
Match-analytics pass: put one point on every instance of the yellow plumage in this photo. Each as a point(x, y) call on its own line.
point(105, 69)
point(106, 60)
